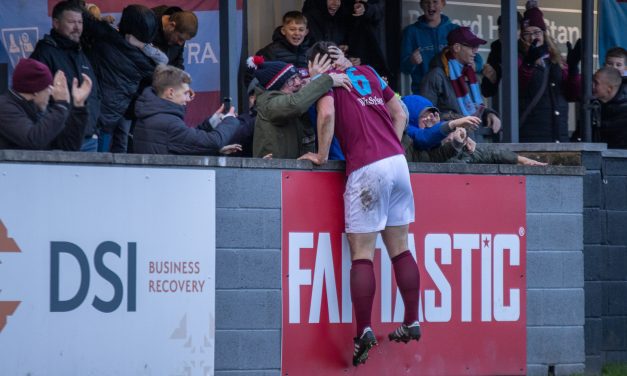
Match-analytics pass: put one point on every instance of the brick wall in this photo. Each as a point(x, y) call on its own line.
point(605, 250)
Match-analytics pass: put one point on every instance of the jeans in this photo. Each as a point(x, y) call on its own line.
point(90, 144)
point(116, 141)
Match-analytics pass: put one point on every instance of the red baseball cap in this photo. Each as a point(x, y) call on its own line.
point(463, 35)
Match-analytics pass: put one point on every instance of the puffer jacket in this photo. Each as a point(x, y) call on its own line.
point(160, 129)
point(613, 128)
point(282, 50)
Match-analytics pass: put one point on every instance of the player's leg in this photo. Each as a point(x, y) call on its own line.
point(364, 216)
point(400, 214)
point(363, 287)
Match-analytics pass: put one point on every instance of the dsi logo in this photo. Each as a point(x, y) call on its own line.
point(7, 244)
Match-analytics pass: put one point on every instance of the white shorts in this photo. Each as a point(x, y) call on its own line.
point(379, 195)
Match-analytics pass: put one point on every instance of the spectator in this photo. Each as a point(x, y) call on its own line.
point(175, 27)
point(616, 57)
point(282, 127)
point(160, 128)
point(457, 147)
point(328, 21)
point(61, 50)
point(611, 91)
point(452, 85)
point(419, 110)
point(424, 39)
point(369, 121)
point(492, 70)
point(246, 130)
point(546, 82)
point(364, 35)
point(289, 42)
point(123, 70)
point(29, 120)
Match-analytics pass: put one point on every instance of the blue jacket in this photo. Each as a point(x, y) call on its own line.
point(423, 138)
point(431, 41)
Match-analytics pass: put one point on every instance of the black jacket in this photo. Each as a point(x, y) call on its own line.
point(160, 129)
point(282, 50)
point(122, 70)
point(613, 128)
point(325, 27)
point(60, 53)
point(23, 126)
point(174, 52)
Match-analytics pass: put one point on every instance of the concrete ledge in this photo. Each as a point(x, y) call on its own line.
point(27, 156)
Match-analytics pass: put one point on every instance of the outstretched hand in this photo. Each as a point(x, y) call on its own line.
point(341, 80)
point(529, 162)
point(468, 122)
point(320, 64)
point(80, 93)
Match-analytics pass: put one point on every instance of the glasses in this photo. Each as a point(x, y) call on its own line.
point(294, 80)
point(532, 34)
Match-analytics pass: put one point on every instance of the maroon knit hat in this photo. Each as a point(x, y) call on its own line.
point(533, 17)
point(30, 76)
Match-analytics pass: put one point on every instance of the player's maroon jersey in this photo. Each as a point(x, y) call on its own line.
point(363, 125)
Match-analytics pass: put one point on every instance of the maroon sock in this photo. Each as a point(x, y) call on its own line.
point(408, 281)
point(363, 287)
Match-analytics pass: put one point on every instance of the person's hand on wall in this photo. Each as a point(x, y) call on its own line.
point(529, 162)
point(230, 149)
point(315, 158)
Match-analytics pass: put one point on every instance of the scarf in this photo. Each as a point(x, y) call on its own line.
point(462, 78)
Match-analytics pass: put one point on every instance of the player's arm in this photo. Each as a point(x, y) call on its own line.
point(326, 126)
point(398, 116)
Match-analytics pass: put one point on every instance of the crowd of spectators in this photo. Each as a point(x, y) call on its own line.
point(132, 88)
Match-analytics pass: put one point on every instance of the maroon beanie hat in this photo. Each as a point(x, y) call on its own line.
point(533, 17)
point(30, 76)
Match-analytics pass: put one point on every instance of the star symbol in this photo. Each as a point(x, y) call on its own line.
point(486, 242)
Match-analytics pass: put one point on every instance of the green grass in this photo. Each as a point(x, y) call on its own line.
point(614, 370)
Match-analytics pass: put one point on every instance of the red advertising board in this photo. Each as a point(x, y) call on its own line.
point(470, 241)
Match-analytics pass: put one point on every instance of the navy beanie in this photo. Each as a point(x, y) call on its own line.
point(272, 75)
point(416, 105)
